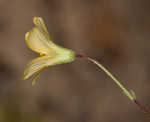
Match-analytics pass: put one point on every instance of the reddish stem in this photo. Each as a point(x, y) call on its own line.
point(81, 56)
point(143, 108)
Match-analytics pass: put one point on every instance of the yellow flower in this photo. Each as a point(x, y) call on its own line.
point(38, 40)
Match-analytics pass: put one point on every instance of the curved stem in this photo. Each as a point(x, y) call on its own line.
point(129, 94)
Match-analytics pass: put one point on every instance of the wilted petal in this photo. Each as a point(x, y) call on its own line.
point(39, 41)
point(39, 22)
point(38, 64)
point(36, 76)
point(38, 38)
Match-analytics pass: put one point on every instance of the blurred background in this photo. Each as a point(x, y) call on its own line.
point(115, 32)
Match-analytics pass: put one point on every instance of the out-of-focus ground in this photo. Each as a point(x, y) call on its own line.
point(115, 32)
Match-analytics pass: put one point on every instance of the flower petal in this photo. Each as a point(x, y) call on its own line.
point(39, 22)
point(38, 64)
point(35, 77)
point(38, 38)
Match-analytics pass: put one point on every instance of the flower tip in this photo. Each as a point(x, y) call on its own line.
point(37, 20)
point(24, 77)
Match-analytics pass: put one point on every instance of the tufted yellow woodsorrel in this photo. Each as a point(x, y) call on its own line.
point(38, 40)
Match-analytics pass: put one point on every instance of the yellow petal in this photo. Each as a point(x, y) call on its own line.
point(37, 75)
point(38, 38)
point(38, 41)
point(38, 64)
point(39, 22)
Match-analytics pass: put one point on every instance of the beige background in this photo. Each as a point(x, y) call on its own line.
point(115, 32)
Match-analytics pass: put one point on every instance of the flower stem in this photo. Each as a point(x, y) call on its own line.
point(129, 94)
point(143, 108)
